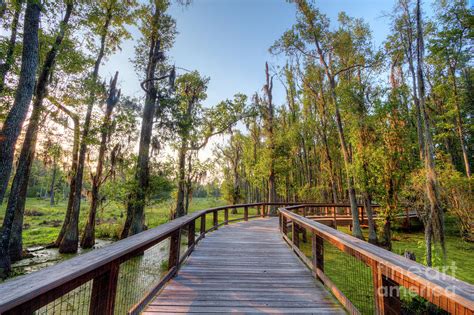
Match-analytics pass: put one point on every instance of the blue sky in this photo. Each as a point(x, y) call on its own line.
point(228, 41)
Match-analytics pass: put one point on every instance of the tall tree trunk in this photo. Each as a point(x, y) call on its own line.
point(70, 239)
point(272, 195)
point(180, 206)
point(435, 219)
point(6, 66)
point(16, 201)
point(459, 125)
point(408, 43)
point(136, 215)
point(13, 123)
point(367, 198)
point(74, 161)
point(416, 102)
point(88, 235)
point(53, 182)
point(387, 233)
point(356, 229)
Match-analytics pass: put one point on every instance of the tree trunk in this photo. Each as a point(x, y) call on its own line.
point(16, 201)
point(370, 218)
point(13, 123)
point(74, 158)
point(70, 240)
point(180, 207)
point(128, 220)
point(88, 235)
point(459, 126)
point(356, 229)
point(272, 195)
point(435, 222)
point(6, 66)
point(428, 243)
point(53, 181)
point(408, 47)
point(387, 233)
point(137, 201)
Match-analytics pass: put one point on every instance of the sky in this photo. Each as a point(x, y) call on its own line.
point(228, 41)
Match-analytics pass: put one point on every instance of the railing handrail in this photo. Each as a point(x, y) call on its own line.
point(87, 266)
point(323, 204)
point(390, 264)
point(27, 287)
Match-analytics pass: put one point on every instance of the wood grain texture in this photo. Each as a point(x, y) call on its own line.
point(245, 268)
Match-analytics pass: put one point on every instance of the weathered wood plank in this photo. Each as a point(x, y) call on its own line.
point(245, 268)
point(223, 310)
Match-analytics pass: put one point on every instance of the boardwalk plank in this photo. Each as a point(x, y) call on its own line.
point(244, 268)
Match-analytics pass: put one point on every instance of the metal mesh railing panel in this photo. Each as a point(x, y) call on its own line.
point(74, 302)
point(139, 275)
point(351, 276)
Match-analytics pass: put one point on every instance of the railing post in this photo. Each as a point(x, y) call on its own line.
point(104, 289)
point(284, 224)
point(294, 234)
point(386, 292)
point(262, 211)
point(215, 219)
point(362, 215)
point(304, 212)
point(246, 213)
point(317, 249)
point(280, 222)
point(334, 209)
point(226, 216)
point(191, 233)
point(173, 259)
point(303, 232)
point(203, 225)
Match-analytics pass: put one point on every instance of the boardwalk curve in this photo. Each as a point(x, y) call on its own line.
point(246, 268)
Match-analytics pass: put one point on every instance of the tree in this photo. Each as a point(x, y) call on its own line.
point(449, 48)
point(269, 113)
point(108, 19)
point(191, 91)
point(13, 222)
point(53, 153)
point(232, 155)
point(88, 236)
point(312, 29)
point(158, 31)
point(9, 56)
point(16, 116)
point(434, 222)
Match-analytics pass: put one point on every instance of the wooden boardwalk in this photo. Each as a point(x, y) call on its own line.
point(244, 268)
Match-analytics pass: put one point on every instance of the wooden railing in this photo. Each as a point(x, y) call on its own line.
point(101, 268)
point(389, 271)
point(29, 293)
